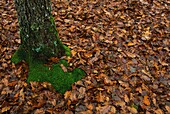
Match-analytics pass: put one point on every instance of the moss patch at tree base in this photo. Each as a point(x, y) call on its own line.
point(55, 75)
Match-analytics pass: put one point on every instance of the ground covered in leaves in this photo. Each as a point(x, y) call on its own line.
point(123, 46)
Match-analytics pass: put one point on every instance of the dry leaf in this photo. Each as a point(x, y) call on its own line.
point(132, 110)
point(120, 103)
point(159, 111)
point(131, 55)
point(90, 106)
point(126, 98)
point(113, 109)
point(6, 108)
point(73, 53)
point(67, 94)
point(87, 55)
point(100, 97)
point(167, 108)
point(131, 44)
point(68, 112)
point(82, 90)
point(63, 68)
point(39, 111)
point(146, 100)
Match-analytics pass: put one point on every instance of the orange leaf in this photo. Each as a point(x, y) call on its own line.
point(130, 44)
point(146, 100)
point(67, 94)
point(87, 55)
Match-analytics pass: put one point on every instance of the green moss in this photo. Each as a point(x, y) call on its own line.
point(61, 80)
point(55, 75)
point(67, 50)
point(19, 55)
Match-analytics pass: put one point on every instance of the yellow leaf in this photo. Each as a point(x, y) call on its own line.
point(73, 53)
point(4, 109)
point(146, 100)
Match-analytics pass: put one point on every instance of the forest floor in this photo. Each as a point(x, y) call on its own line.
point(124, 48)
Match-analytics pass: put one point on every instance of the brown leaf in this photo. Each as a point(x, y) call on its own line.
point(90, 106)
point(131, 55)
point(39, 111)
point(104, 109)
point(159, 111)
point(68, 112)
point(167, 108)
point(100, 97)
point(120, 103)
point(82, 90)
point(113, 109)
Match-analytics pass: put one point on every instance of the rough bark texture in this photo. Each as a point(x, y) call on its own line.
point(39, 37)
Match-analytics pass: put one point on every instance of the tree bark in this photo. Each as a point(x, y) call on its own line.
point(39, 37)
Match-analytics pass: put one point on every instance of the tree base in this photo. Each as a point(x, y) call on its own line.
point(55, 75)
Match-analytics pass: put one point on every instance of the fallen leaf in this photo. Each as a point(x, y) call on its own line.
point(113, 109)
point(126, 98)
point(73, 53)
point(63, 68)
point(131, 55)
point(167, 108)
point(100, 97)
point(131, 44)
point(146, 100)
point(159, 111)
point(87, 55)
point(6, 108)
point(132, 110)
point(67, 94)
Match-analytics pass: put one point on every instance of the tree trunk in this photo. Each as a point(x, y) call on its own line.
point(39, 37)
point(39, 41)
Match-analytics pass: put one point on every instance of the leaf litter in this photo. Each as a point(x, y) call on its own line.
point(123, 46)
